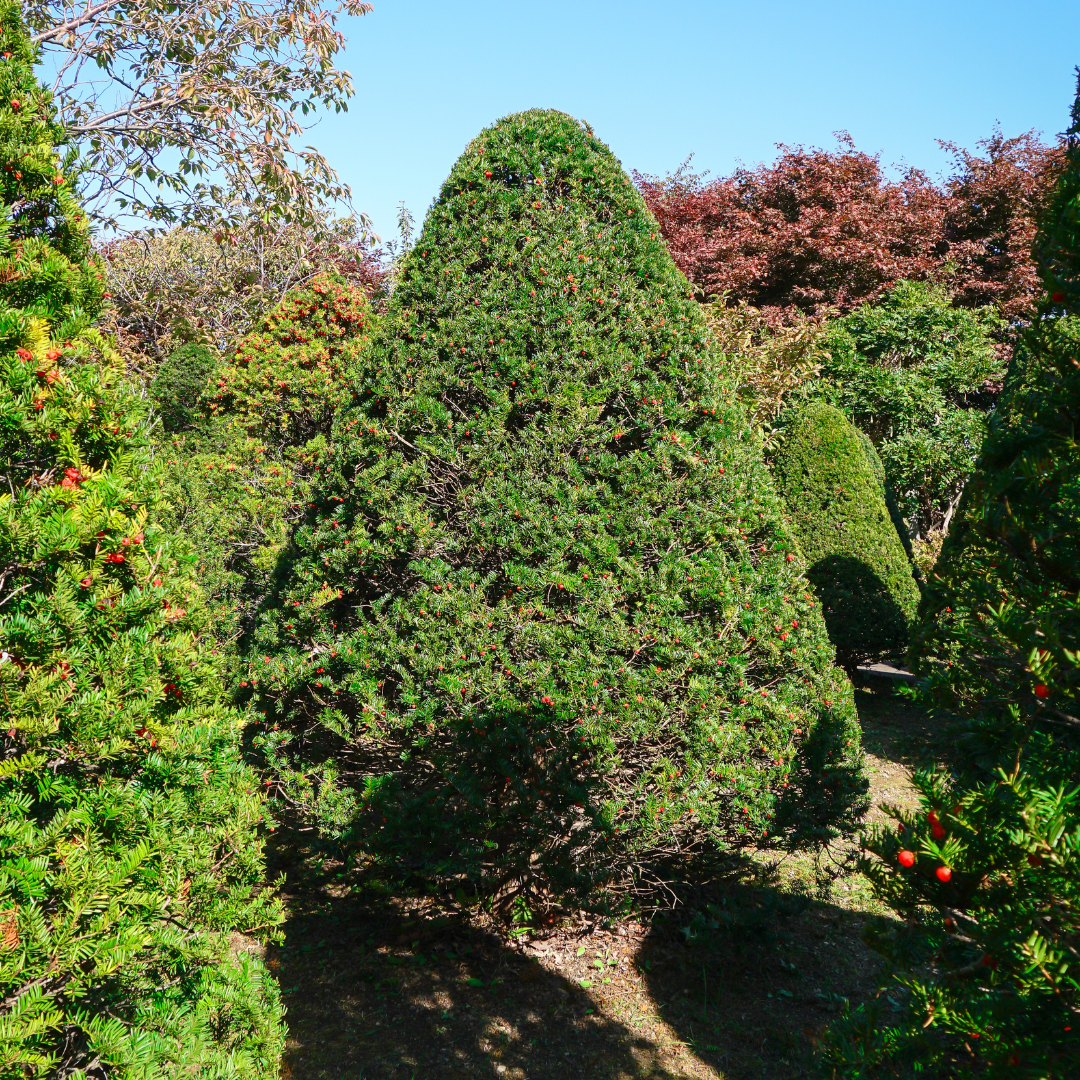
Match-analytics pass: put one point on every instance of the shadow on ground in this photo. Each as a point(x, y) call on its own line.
point(736, 982)
point(737, 987)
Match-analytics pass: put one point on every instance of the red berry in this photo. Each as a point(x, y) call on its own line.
point(1034, 860)
point(1058, 297)
point(906, 858)
point(1042, 690)
point(943, 873)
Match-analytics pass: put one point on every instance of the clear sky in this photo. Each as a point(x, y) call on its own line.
point(725, 81)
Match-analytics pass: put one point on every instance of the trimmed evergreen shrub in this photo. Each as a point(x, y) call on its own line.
point(987, 872)
point(287, 380)
point(857, 563)
point(180, 383)
point(542, 618)
point(877, 467)
point(129, 844)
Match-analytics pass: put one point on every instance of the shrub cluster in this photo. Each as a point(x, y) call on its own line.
point(542, 612)
point(245, 436)
point(188, 286)
point(129, 844)
point(855, 557)
point(919, 376)
point(819, 230)
point(987, 872)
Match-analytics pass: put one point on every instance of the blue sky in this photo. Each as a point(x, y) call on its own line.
point(724, 81)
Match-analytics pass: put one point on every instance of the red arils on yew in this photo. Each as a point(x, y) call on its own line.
point(1042, 690)
point(1058, 297)
point(944, 874)
point(1034, 860)
point(906, 858)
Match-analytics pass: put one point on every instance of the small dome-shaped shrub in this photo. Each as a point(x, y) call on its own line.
point(180, 383)
point(856, 560)
point(543, 619)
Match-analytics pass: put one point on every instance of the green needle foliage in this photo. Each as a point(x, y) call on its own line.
point(181, 381)
point(542, 620)
point(244, 438)
point(129, 844)
point(986, 960)
point(857, 562)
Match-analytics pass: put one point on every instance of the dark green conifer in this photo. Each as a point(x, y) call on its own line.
point(129, 842)
point(855, 557)
point(543, 613)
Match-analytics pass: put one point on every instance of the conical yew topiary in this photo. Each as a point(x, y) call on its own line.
point(543, 613)
point(128, 819)
point(857, 560)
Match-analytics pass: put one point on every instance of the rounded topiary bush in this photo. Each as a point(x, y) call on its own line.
point(857, 562)
point(542, 619)
point(877, 467)
point(287, 380)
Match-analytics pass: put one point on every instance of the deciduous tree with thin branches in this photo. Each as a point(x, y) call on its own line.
point(187, 110)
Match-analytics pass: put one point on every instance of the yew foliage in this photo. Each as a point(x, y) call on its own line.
point(986, 872)
point(129, 846)
point(541, 624)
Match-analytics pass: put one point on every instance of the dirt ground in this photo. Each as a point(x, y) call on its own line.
point(385, 989)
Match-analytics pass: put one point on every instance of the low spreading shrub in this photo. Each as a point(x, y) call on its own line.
point(541, 621)
point(129, 842)
point(986, 873)
point(855, 557)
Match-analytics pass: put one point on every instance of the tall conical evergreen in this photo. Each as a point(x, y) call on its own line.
point(987, 872)
point(543, 612)
point(128, 819)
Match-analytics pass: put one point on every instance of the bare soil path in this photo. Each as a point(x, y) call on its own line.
point(379, 988)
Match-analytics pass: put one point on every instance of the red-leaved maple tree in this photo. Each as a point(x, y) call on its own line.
point(819, 230)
